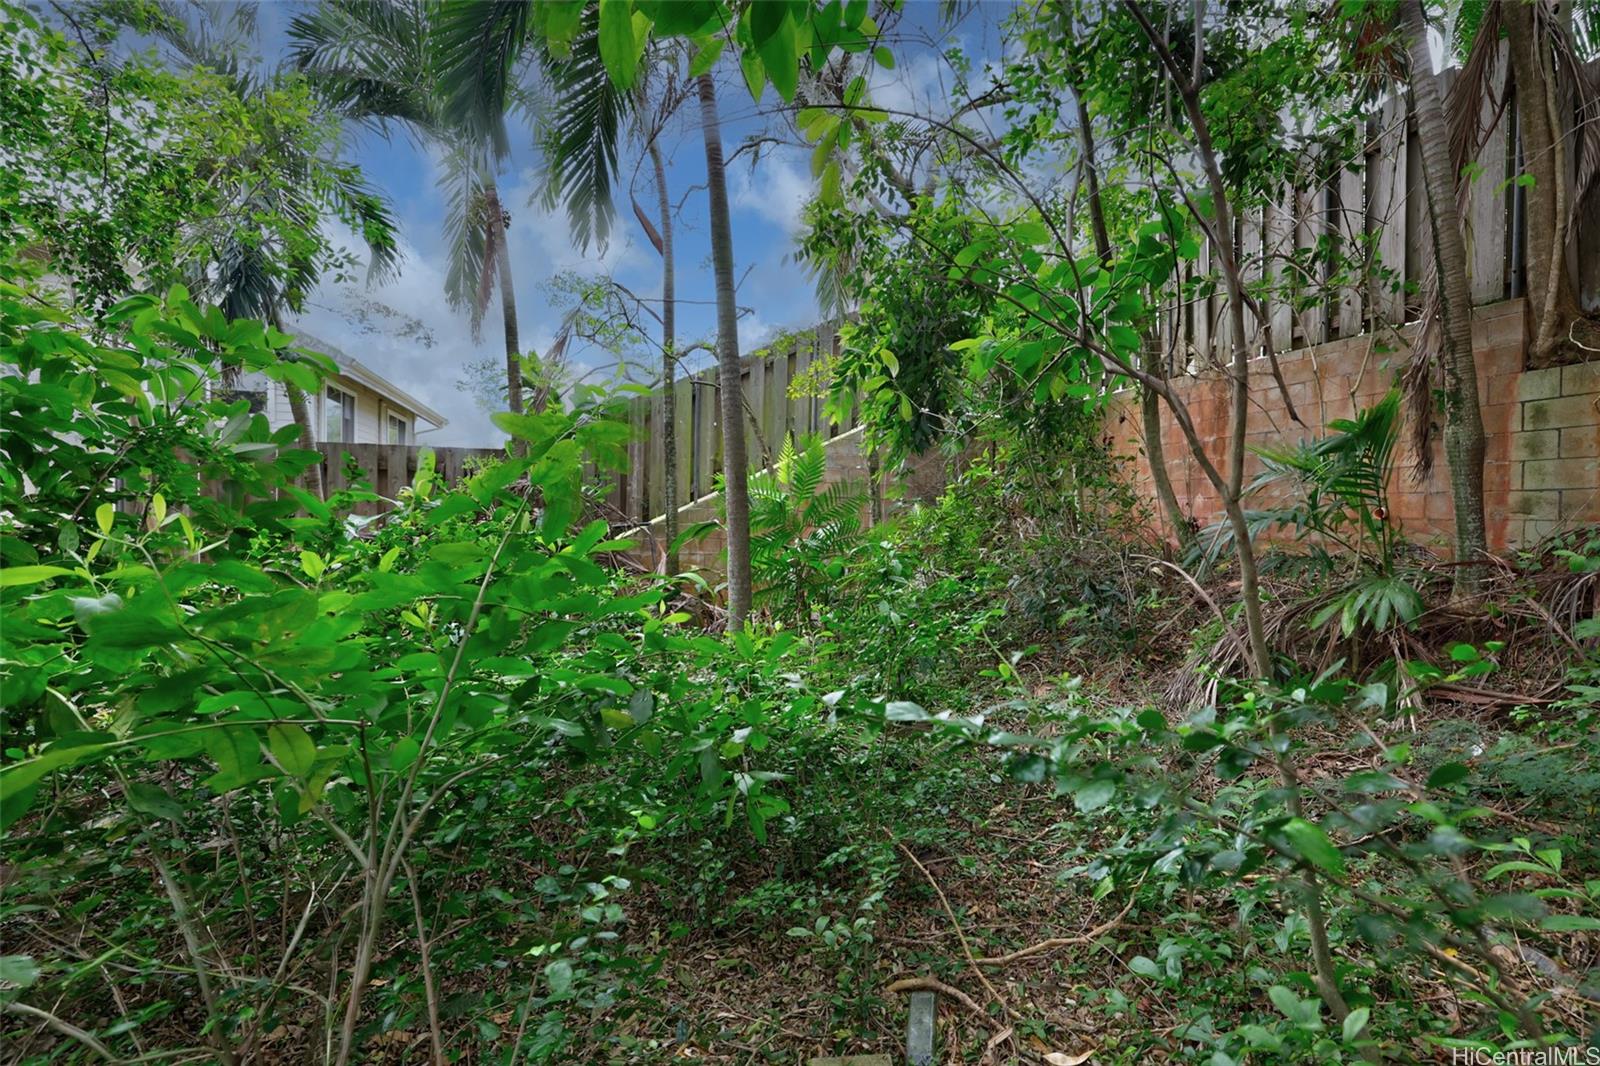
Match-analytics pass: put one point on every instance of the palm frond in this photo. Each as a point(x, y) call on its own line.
point(370, 60)
point(465, 231)
point(478, 45)
point(580, 145)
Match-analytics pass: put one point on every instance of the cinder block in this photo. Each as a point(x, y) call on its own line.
point(1500, 419)
point(1560, 474)
point(1539, 384)
point(1536, 529)
point(1534, 504)
point(1539, 444)
point(1561, 412)
point(1580, 442)
point(1580, 506)
point(1580, 379)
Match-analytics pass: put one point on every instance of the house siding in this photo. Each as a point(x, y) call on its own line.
point(372, 409)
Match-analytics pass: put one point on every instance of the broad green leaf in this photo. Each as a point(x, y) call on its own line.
point(1144, 966)
point(707, 56)
point(404, 753)
point(1093, 795)
point(12, 576)
point(1313, 845)
point(559, 977)
point(294, 749)
point(1570, 923)
point(1447, 775)
point(778, 52)
point(18, 971)
point(1355, 1022)
point(618, 49)
point(148, 798)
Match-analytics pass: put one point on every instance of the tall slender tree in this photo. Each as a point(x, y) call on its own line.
point(669, 358)
point(1463, 434)
point(1548, 78)
point(380, 65)
point(735, 474)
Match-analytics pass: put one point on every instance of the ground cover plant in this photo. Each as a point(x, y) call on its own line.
point(282, 780)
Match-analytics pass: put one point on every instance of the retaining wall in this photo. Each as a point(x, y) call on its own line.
point(1542, 469)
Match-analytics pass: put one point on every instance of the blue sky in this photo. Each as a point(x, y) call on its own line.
point(766, 205)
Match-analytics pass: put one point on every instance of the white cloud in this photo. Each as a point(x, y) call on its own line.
point(405, 329)
point(777, 191)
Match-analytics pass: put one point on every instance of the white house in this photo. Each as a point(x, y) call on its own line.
point(356, 406)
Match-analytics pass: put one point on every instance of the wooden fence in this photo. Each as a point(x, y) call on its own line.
point(1378, 203)
point(771, 413)
point(388, 468)
point(1288, 252)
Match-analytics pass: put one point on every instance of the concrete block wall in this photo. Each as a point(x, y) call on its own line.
point(1555, 450)
point(1541, 470)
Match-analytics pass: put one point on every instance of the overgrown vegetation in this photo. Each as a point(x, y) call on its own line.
point(280, 783)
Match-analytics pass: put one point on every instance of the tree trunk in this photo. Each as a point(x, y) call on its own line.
point(1551, 301)
point(1463, 431)
point(508, 294)
point(1149, 403)
point(301, 414)
point(1156, 453)
point(735, 475)
point(669, 363)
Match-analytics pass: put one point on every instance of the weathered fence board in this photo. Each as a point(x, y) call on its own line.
point(1372, 209)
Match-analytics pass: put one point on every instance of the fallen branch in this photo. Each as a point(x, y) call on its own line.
point(1062, 941)
point(933, 984)
point(966, 949)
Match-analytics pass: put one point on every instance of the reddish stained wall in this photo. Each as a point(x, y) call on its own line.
point(1541, 472)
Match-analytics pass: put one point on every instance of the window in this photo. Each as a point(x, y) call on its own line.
point(397, 430)
point(256, 398)
point(340, 411)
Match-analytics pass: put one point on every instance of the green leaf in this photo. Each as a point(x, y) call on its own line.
point(104, 515)
point(707, 56)
point(30, 575)
point(18, 971)
point(618, 49)
point(559, 976)
point(1355, 1022)
point(1570, 923)
point(1447, 775)
point(404, 753)
point(1093, 795)
point(1144, 966)
point(755, 73)
point(294, 749)
point(1313, 845)
point(1124, 340)
point(1300, 1011)
point(779, 56)
point(152, 799)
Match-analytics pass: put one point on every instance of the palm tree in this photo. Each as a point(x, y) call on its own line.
point(1550, 78)
point(1463, 433)
point(735, 474)
point(480, 45)
point(669, 358)
point(269, 261)
point(376, 62)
